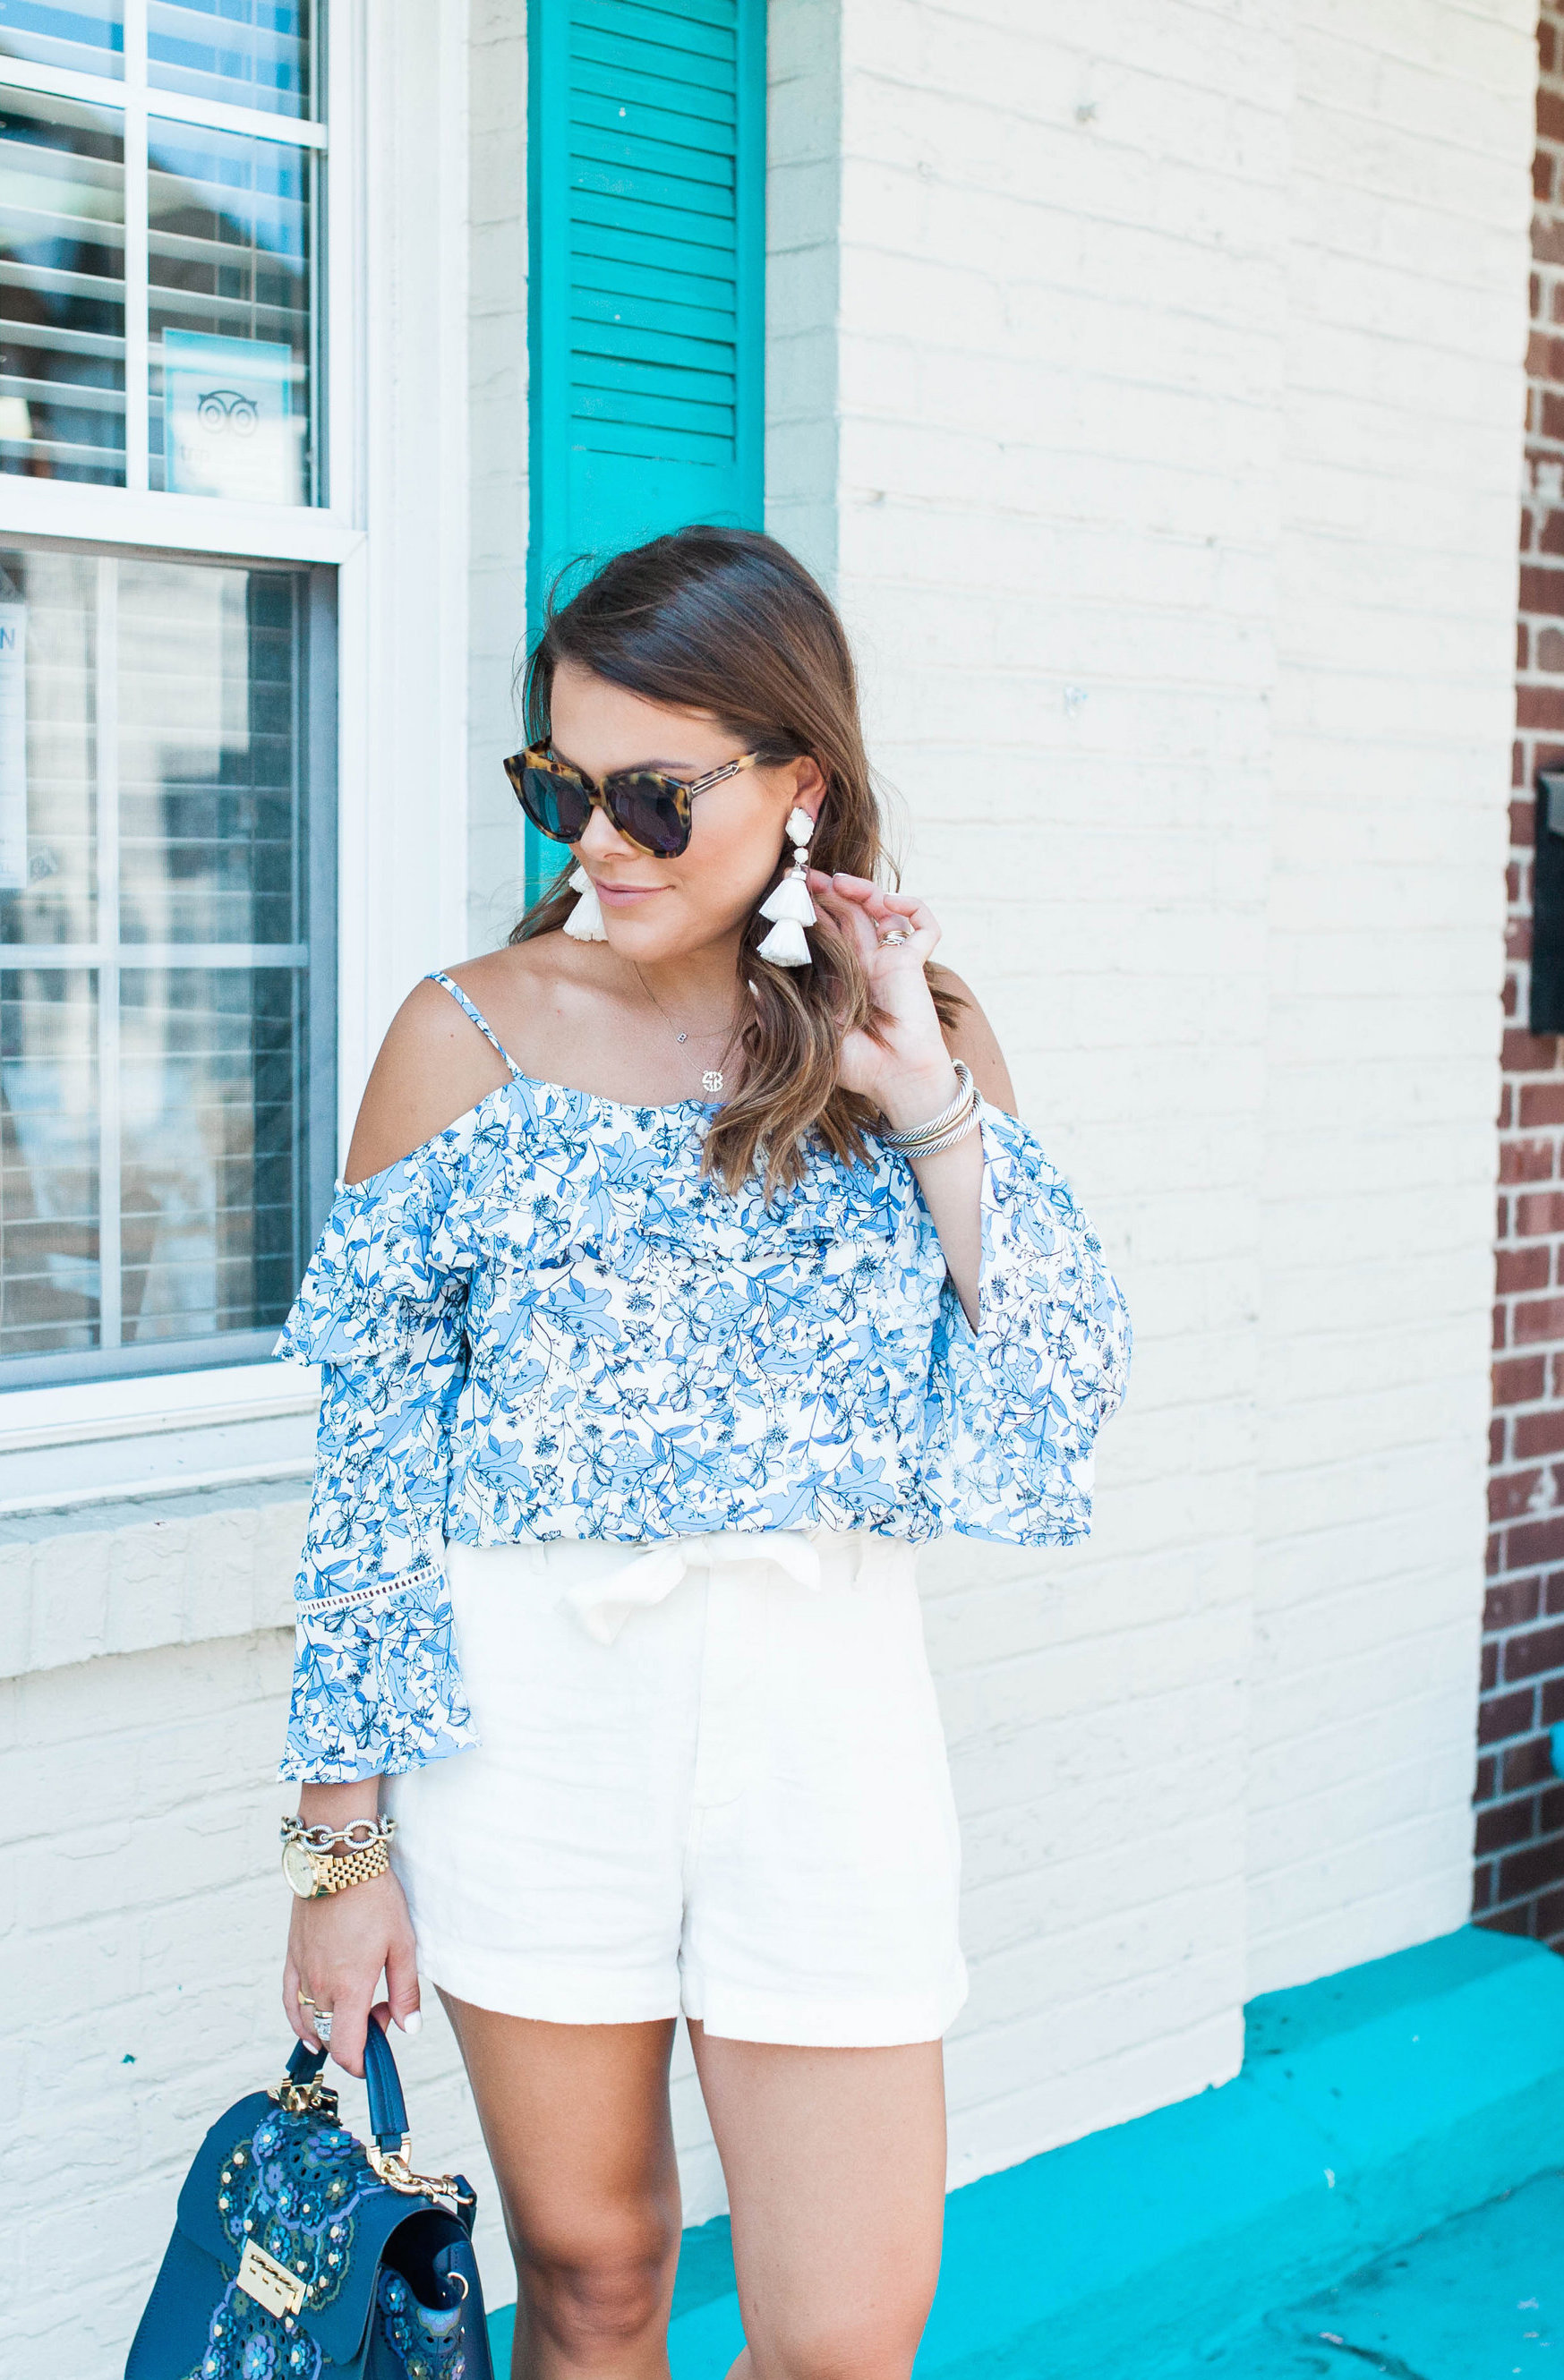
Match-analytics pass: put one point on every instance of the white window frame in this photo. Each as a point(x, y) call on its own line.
point(394, 528)
point(138, 517)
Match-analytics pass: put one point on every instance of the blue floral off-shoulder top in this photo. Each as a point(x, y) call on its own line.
point(544, 1324)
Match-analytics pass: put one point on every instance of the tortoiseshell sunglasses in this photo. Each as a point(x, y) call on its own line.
point(648, 808)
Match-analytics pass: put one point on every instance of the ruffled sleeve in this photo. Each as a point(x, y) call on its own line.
point(1013, 1408)
point(377, 1686)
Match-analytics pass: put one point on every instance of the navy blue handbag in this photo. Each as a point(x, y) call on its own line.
point(300, 2253)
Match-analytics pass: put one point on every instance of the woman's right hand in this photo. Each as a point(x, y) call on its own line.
point(337, 1949)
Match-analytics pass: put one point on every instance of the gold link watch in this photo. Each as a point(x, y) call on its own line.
point(315, 1869)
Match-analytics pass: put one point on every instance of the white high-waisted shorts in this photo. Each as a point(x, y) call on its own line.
point(711, 1776)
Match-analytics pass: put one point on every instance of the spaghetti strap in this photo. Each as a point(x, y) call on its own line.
point(482, 1022)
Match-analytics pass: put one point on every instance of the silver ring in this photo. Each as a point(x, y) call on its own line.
point(898, 935)
point(320, 2019)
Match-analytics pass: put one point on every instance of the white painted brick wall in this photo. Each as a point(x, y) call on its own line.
point(803, 199)
point(1063, 287)
point(1172, 355)
point(1158, 379)
point(1411, 195)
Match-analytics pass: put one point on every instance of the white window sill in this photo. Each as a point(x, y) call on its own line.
point(159, 1434)
point(31, 507)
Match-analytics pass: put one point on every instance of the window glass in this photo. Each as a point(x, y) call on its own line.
point(208, 848)
point(246, 52)
point(229, 314)
point(48, 770)
point(154, 995)
point(84, 36)
point(48, 1162)
point(62, 289)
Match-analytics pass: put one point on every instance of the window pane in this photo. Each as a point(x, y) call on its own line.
point(154, 984)
point(48, 848)
point(229, 315)
point(61, 290)
point(49, 1294)
point(86, 35)
point(247, 53)
point(210, 1080)
point(208, 747)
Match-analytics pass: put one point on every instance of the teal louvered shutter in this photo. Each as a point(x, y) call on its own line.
point(647, 289)
point(647, 204)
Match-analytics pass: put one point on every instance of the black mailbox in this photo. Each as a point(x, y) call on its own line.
point(1547, 906)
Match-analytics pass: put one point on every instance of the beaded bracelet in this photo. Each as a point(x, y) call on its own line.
point(943, 1131)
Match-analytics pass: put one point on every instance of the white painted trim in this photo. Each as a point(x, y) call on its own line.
point(347, 383)
point(175, 106)
point(67, 508)
point(454, 222)
point(184, 1483)
point(158, 954)
point(84, 1411)
point(343, 415)
point(353, 1050)
point(402, 820)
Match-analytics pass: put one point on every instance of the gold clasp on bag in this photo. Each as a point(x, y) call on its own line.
point(392, 2167)
point(269, 2284)
point(316, 2098)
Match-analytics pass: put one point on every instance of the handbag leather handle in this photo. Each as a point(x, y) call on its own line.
point(387, 2108)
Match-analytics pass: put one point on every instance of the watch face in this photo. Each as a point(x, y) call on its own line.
point(299, 1868)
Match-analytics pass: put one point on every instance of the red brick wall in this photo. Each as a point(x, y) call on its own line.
point(1520, 1876)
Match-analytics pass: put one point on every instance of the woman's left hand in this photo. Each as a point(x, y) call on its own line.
point(909, 1074)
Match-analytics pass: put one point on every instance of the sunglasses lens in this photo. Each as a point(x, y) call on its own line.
point(647, 809)
point(555, 804)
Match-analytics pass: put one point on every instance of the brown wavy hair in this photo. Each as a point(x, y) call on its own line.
point(728, 622)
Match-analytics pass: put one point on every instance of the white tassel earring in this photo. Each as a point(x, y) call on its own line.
point(584, 923)
point(790, 905)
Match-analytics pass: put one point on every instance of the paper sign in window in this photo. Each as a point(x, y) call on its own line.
point(13, 746)
point(228, 424)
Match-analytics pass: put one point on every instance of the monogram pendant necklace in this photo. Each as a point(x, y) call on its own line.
point(711, 1081)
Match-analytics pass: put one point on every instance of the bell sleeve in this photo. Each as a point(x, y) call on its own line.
point(376, 1684)
point(1013, 1408)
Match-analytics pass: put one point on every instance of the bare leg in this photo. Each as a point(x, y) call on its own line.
point(576, 2121)
point(835, 2161)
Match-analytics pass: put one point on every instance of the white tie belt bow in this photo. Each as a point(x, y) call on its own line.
point(602, 1604)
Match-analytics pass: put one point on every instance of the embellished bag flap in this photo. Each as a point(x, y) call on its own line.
point(290, 2236)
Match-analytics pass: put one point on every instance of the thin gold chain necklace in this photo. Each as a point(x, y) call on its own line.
point(711, 1081)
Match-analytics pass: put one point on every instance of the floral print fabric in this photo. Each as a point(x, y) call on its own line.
point(544, 1324)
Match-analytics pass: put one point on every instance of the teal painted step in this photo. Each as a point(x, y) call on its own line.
point(1372, 2106)
point(1481, 2298)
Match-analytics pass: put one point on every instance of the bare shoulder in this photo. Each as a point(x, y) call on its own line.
point(971, 1038)
point(433, 1065)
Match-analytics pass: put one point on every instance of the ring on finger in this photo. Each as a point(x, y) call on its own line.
point(320, 2018)
point(898, 935)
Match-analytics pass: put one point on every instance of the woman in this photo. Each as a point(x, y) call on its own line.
point(690, 1268)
